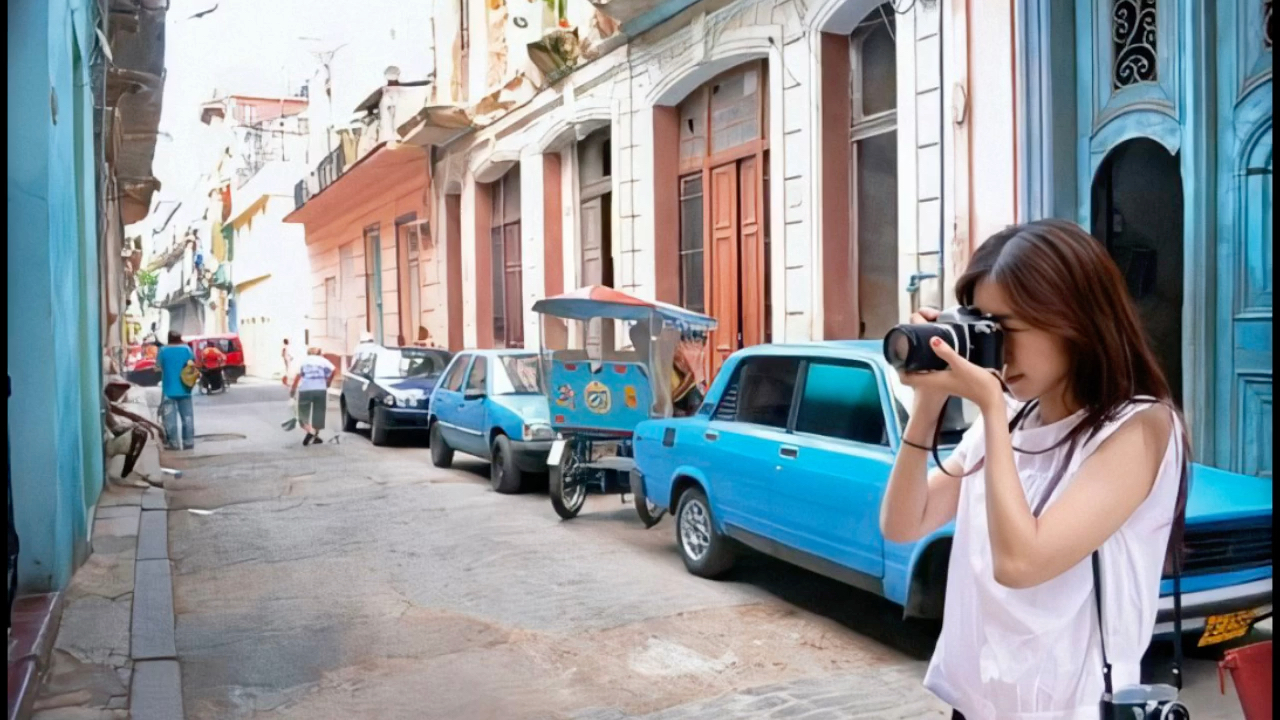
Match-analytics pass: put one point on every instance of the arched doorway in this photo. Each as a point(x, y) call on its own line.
point(1137, 213)
point(723, 193)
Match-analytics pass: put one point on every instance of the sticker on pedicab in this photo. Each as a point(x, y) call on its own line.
point(629, 396)
point(597, 398)
point(564, 397)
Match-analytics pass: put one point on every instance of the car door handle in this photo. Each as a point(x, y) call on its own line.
point(711, 435)
point(789, 451)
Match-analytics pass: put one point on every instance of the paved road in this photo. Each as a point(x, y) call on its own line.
point(347, 581)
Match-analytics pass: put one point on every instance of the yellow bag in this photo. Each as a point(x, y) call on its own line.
point(190, 375)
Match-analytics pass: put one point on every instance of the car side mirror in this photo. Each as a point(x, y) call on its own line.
point(473, 394)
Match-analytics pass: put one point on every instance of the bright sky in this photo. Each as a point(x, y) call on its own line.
point(265, 47)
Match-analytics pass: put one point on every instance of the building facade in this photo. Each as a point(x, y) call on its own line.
point(80, 142)
point(799, 170)
point(366, 213)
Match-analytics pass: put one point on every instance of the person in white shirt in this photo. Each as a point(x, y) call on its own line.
point(1085, 453)
point(286, 354)
point(311, 387)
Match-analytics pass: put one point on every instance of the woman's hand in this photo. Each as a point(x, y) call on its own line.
point(927, 400)
point(962, 378)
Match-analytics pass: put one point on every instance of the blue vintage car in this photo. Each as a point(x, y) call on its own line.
point(490, 405)
point(790, 455)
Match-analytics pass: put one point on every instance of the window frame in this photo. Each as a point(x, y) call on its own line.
point(477, 362)
point(463, 361)
point(737, 379)
point(887, 421)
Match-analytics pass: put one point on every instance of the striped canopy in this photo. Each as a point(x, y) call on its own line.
point(597, 301)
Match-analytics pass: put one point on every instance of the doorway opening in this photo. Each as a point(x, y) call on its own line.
point(1137, 213)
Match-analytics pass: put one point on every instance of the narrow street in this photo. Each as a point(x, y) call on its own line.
point(348, 581)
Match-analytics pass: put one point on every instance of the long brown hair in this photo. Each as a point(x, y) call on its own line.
point(1060, 279)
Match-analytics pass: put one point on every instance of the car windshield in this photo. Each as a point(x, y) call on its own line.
point(404, 363)
point(519, 375)
point(959, 415)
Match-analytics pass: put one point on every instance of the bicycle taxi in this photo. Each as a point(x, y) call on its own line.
point(609, 361)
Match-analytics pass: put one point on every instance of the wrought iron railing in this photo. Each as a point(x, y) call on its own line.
point(330, 168)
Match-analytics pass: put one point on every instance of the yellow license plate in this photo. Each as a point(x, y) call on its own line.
point(1221, 628)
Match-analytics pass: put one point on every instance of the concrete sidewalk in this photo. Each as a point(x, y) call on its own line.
point(114, 656)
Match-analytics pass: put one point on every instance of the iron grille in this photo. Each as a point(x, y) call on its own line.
point(1227, 547)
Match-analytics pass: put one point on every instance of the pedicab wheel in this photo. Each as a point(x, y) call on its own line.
point(567, 489)
point(649, 513)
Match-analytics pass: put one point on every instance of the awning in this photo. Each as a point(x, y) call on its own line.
point(596, 301)
point(386, 167)
point(435, 125)
point(625, 11)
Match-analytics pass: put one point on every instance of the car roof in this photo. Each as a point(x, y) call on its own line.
point(499, 352)
point(866, 350)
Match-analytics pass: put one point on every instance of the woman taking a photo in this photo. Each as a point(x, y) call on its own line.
point(1088, 454)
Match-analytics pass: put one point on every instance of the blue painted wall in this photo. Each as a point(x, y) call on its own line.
point(1211, 107)
point(54, 357)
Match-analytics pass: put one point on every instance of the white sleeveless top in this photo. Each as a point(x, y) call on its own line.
point(1033, 654)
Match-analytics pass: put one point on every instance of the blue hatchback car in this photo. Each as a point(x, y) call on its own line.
point(790, 455)
point(490, 405)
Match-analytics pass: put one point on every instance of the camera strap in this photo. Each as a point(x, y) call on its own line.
point(1177, 621)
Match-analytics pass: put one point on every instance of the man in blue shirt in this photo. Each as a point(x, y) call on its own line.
point(176, 402)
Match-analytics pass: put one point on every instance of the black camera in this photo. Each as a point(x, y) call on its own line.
point(976, 337)
point(1144, 702)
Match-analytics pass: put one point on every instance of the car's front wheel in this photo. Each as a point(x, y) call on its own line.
point(504, 474)
point(380, 433)
point(441, 453)
point(706, 553)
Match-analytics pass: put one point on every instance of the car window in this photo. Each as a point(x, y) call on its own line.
point(475, 381)
point(761, 393)
point(842, 401)
point(516, 375)
point(453, 381)
point(363, 364)
point(397, 364)
point(956, 419)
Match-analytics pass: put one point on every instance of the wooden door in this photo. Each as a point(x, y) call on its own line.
point(512, 286)
point(592, 243)
point(752, 263)
point(721, 269)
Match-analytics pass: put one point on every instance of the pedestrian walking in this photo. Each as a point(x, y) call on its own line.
point(286, 354)
point(311, 387)
point(1068, 495)
point(178, 375)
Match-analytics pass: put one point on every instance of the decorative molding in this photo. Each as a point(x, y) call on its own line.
point(1161, 93)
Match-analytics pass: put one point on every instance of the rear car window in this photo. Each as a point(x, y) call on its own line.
point(518, 375)
point(410, 363)
point(842, 401)
point(761, 392)
point(453, 381)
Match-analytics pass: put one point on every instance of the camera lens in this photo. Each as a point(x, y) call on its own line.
point(897, 347)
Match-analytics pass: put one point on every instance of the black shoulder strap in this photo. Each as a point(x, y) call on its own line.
point(1102, 630)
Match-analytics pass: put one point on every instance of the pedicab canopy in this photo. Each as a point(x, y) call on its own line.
point(597, 301)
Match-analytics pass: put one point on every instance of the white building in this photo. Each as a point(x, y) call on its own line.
point(785, 166)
